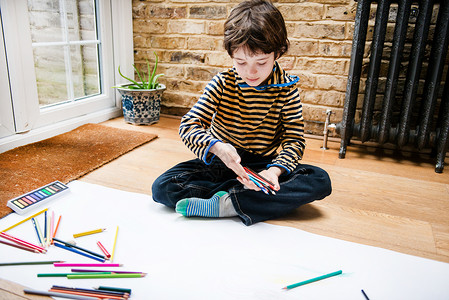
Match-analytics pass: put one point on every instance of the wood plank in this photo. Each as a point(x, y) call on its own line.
point(380, 198)
point(365, 227)
point(13, 291)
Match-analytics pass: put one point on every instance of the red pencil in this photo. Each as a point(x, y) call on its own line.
point(22, 242)
point(20, 246)
point(103, 249)
point(85, 293)
point(258, 176)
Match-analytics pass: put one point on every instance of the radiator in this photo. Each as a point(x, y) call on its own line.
point(406, 92)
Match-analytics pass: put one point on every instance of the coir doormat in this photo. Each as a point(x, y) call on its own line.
point(64, 157)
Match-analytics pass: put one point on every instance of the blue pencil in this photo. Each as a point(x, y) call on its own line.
point(258, 184)
point(37, 231)
point(78, 252)
point(45, 227)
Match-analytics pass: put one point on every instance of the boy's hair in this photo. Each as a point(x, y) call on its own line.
point(258, 26)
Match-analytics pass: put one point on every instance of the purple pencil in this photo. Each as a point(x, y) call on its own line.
point(88, 270)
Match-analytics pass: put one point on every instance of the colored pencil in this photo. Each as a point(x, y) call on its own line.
point(116, 292)
point(77, 235)
point(256, 178)
point(49, 232)
point(116, 272)
point(37, 232)
point(52, 224)
point(78, 252)
point(21, 242)
point(254, 173)
point(91, 276)
point(291, 286)
point(65, 274)
point(23, 263)
point(262, 188)
point(260, 181)
point(365, 295)
point(24, 220)
point(109, 288)
point(85, 265)
point(106, 253)
point(62, 295)
point(56, 229)
point(45, 228)
point(67, 244)
point(115, 243)
point(90, 292)
point(19, 246)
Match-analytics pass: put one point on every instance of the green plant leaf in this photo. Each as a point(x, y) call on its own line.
point(151, 80)
point(140, 77)
point(147, 82)
point(155, 83)
point(129, 79)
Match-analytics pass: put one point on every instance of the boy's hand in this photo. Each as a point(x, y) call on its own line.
point(229, 156)
point(272, 174)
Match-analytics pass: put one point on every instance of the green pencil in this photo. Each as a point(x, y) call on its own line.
point(312, 280)
point(65, 274)
point(21, 263)
point(114, 289)
point(90, 276)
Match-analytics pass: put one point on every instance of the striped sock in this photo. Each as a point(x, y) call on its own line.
point(206, 207)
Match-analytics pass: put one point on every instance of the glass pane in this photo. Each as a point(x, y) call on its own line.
point(50, 75)
point(84, 22)
point(66, 49)
point(45, 21)
point(85, 70)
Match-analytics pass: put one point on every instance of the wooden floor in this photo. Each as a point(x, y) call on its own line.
point(378, 199)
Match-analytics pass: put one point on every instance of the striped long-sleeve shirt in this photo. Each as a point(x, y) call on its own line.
point(263, 120)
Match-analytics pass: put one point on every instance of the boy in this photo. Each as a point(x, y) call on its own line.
point(249, 116)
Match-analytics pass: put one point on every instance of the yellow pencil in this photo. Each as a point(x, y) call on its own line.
point(24, 220)
point(113, 248)
point(88, 232)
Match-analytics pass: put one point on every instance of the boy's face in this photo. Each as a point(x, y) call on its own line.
point(253, 68)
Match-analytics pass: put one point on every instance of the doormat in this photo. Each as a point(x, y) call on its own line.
point(65, 157)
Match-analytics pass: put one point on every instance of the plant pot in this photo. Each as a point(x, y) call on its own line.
point(141, 107)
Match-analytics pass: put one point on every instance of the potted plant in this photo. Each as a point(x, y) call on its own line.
point(141, 101)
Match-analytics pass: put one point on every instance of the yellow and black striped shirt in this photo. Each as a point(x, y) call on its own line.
point(261, 120)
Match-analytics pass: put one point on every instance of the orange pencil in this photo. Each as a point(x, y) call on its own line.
point(56, 229)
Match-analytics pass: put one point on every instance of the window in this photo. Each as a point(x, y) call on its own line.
point(65, 43)
point(60, 73)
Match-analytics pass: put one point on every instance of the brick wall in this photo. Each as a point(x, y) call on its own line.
point(187, 36)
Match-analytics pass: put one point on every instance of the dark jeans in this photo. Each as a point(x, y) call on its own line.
point(194, 178)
